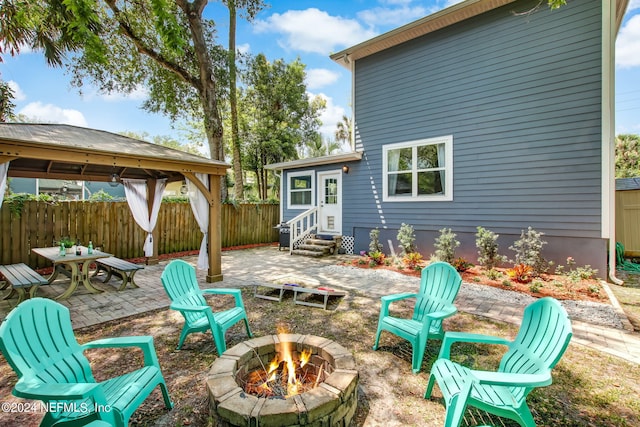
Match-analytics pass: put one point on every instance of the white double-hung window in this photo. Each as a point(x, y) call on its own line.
point(420, 170)
point(301, 190)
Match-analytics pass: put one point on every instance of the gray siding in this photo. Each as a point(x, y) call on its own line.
point(521, 96)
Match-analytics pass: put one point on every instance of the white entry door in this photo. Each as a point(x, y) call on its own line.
point(330, 202)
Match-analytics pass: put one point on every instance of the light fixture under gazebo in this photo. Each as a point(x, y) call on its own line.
point(114, 180)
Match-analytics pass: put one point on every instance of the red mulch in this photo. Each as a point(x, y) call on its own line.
point(553, 285)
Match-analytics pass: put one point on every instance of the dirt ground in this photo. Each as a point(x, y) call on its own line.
point(389, 393)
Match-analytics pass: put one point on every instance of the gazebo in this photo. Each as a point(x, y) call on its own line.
point(67, 152)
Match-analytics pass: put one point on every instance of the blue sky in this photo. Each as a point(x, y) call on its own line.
point(310, 30)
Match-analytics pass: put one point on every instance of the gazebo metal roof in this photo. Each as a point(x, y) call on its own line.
point(69, 152)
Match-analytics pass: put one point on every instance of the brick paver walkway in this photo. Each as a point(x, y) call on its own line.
point(268, 264)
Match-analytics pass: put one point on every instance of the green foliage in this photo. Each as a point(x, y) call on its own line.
point(493, 274)
point(278, 114)
point(446, 245)
point(535, 286)
point(528, 251)
point(487, 244)
point(101, 196)
point(16, 201)
point(627, 156)
point(406, 236)
point(377, 258)
point(374, 243)
point(175, 199)
point(6, 102)
point(555, 4)
point(67, 242)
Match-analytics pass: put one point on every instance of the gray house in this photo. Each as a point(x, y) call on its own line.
point(489, 113)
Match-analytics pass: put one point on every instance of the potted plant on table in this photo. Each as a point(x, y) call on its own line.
point(68, 244)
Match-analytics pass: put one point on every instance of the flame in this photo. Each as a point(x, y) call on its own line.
point(284, 375)
point(304, 357)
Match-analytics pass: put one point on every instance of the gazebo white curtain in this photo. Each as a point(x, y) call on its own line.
point(4, 167)
point(200, 207)
point(136, 192)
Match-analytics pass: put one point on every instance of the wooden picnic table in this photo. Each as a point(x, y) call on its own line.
point(75, 267)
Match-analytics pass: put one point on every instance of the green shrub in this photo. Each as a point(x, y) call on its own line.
point(407, 237)
point(487, 244)
point(374, 241)
point(528, 251)
point(446, 246)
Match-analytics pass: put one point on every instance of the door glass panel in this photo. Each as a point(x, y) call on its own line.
point(331, 191)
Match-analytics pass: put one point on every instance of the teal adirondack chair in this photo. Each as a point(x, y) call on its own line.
point(439, 286)
point(543, 337)
point(180, 283)
point(37, 340)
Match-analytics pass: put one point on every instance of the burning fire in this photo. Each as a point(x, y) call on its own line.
point(285, 375)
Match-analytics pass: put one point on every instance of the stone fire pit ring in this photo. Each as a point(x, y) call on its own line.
point(332, 403)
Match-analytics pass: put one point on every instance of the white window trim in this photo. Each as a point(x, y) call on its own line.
point(448, 151)
point(310, 173)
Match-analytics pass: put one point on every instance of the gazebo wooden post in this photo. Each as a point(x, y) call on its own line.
point(215, 230)
point(151, 195)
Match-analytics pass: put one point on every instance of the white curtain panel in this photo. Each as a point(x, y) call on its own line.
point(200, 207)
point(136, 192)
point(4, 167)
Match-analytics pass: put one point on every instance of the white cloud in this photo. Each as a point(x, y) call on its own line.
point(633, 5)
point(392, 16)
point(628, 44)
point(18, 94)
point(313, 30)
point(49, 113)
point(320, 77)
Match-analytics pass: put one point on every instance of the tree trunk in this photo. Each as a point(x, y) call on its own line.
point(238, 188)
point(207, 86)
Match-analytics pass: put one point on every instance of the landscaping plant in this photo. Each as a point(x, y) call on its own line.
point(406, 236)
point(528, 251)
point(412, 260)
point(487, 244)
point(446, 246)
point(374, 243)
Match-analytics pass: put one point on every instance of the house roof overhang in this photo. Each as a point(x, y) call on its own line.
point(317, 161)
point(68, 152)
point(441, 19)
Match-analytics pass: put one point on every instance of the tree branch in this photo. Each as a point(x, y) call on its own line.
point(144, 49)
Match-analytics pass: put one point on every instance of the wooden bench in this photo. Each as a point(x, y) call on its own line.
point(21, 277)
point(113, 266)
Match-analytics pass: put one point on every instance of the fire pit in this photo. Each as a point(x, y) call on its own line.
point(246, 390)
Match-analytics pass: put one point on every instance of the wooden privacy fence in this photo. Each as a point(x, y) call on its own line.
point(111, 227)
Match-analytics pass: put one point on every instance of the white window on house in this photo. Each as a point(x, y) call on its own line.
point(301, 190)
point(419, 170)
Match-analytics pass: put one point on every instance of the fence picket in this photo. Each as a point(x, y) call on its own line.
point(110, 226)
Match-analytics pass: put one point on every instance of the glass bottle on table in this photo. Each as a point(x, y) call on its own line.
point(90, 247)
point(63, 250)
point(78, 250)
